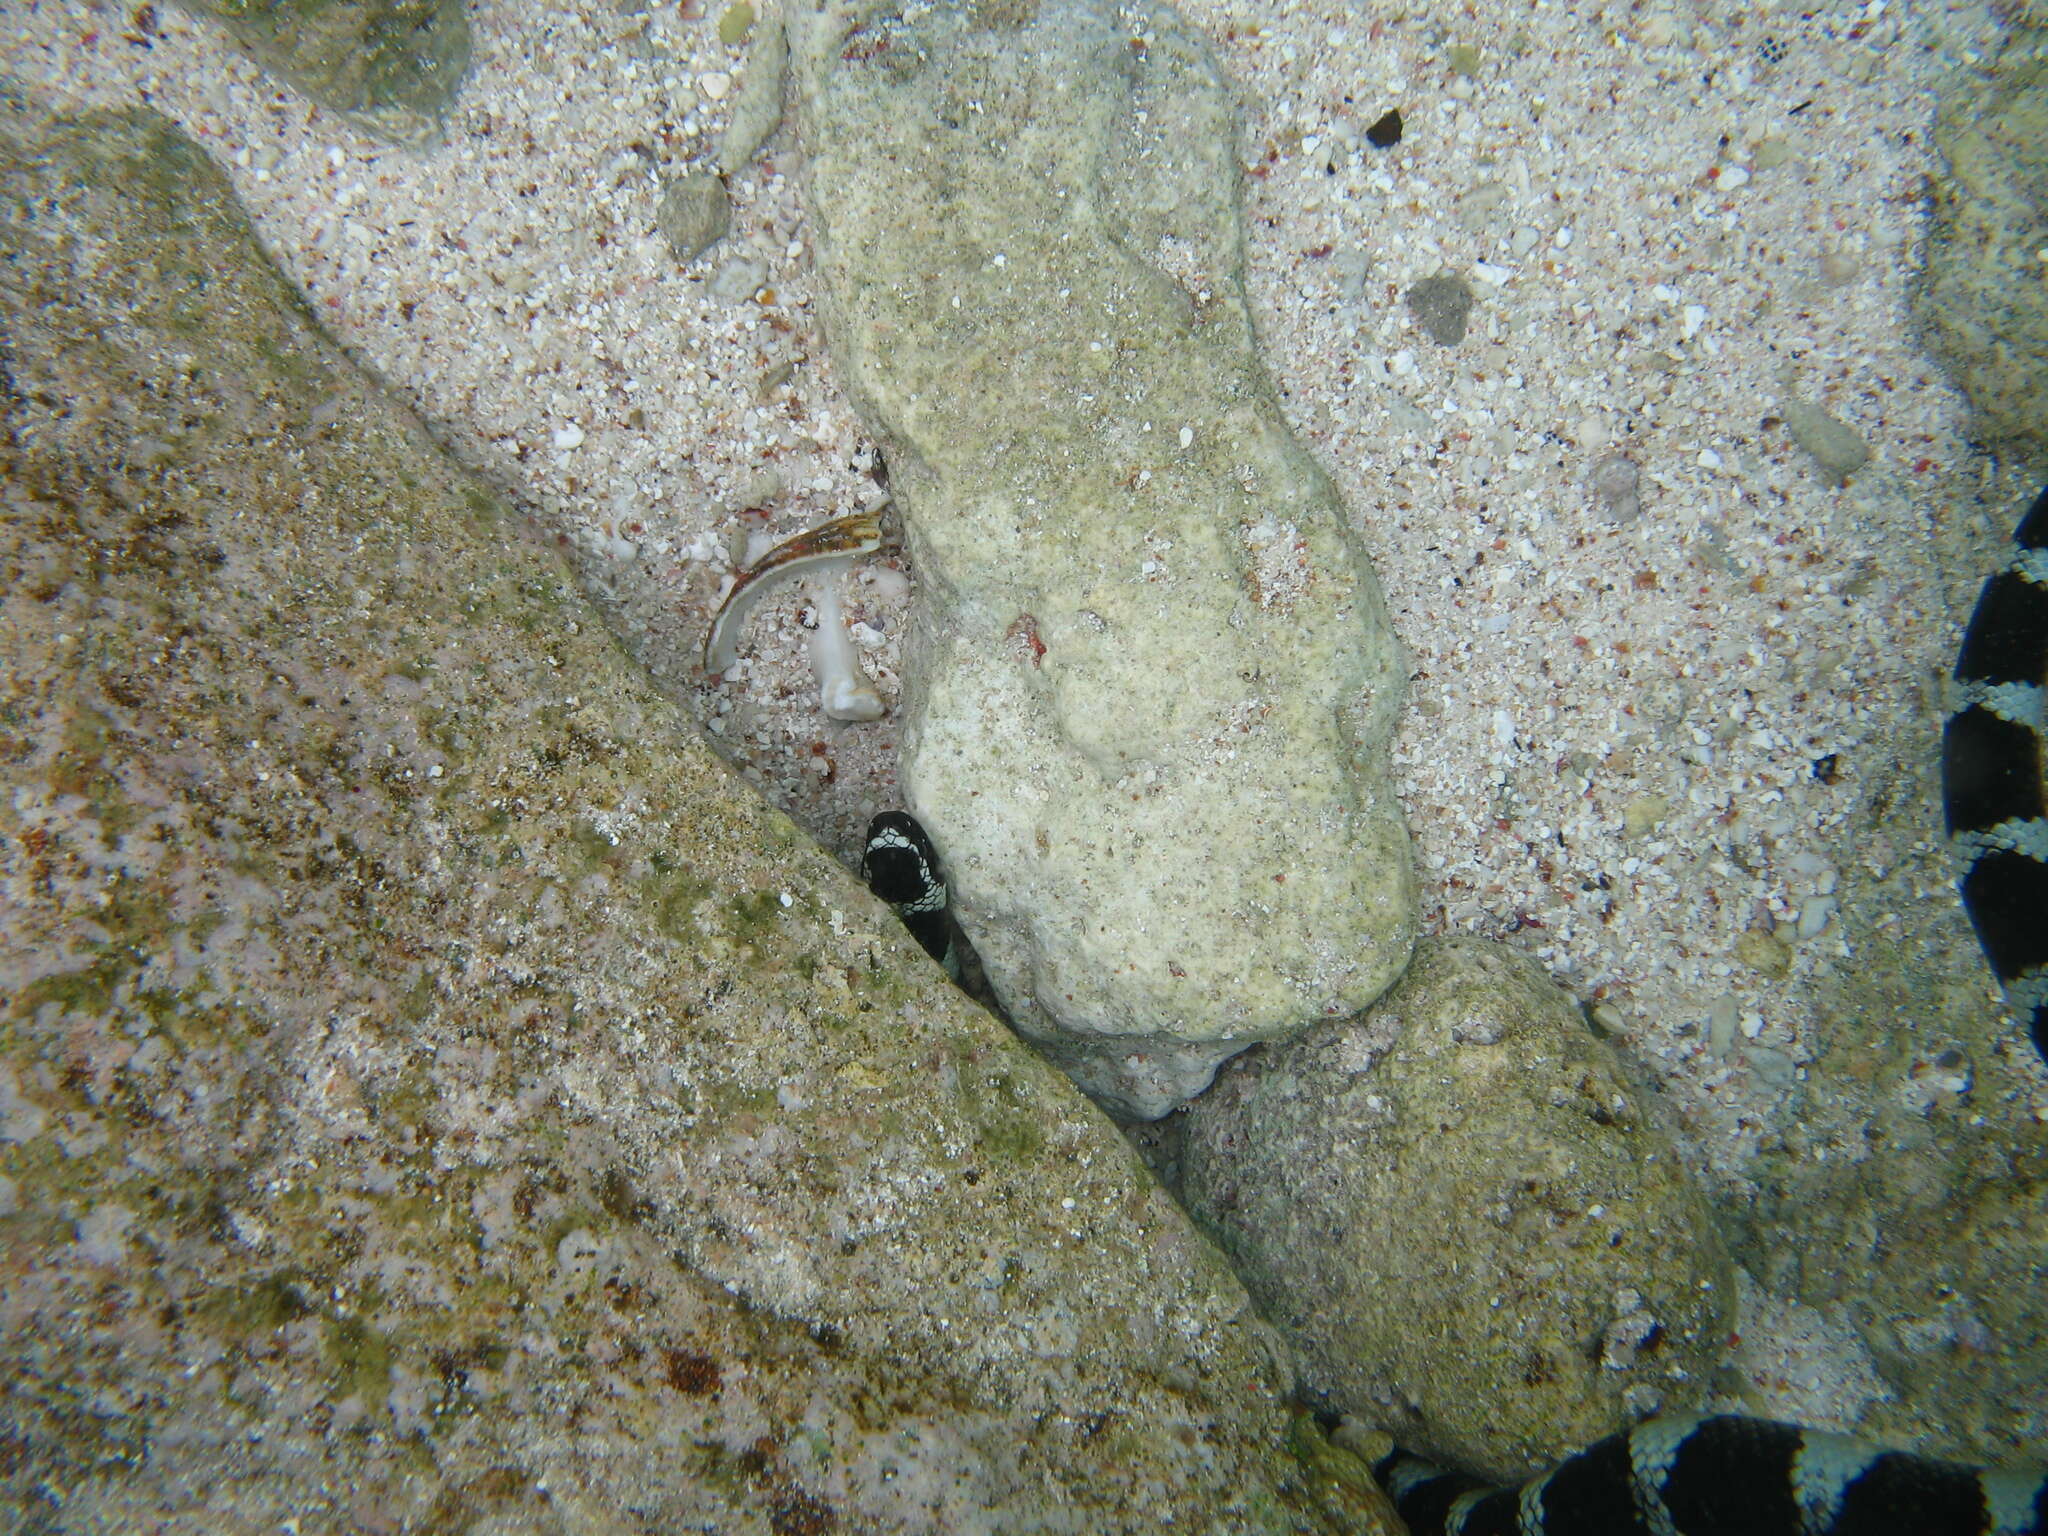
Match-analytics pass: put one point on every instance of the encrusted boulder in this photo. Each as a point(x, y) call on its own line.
point(1469, 1223)
point(391, 67)
point(1149, 674)
point(434, 1093)
point(1981, 301)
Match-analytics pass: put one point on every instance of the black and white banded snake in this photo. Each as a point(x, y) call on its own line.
point(1995, 773)
point(1729, 1475)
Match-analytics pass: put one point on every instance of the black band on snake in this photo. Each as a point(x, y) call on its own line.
point(1727, 1475)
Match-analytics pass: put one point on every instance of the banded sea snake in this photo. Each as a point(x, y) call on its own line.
point(1728, 1475)
point(1994, 768)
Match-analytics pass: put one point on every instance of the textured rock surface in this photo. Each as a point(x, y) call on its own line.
point(434, 1095)
point(1149, 676)
point(1343, 1479)
point(1983, 301)
point(1464, 1217)
point(391, 67)
point(1906, 1192)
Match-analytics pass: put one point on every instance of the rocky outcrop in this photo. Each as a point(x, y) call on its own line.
point(1904, 1191)
point(1149, 677)
point(1982, 302)
point(434, 1094)
point(1471, 1226)
point(391, 67)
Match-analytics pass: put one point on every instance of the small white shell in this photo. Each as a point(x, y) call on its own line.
point(818, 551)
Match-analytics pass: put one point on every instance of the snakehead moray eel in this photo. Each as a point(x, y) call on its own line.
point(1728, 1475)
point(901, 868)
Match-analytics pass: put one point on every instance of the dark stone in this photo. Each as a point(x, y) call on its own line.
point(1441, 305)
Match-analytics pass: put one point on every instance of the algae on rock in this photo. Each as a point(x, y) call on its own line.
point(1983, 299)
point(391, 67)
point(433, 1090)
point(1150, 676)
point(1474, 1230)
point(1903, 1191)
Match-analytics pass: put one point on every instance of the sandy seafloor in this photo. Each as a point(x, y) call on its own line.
point(1672, 216)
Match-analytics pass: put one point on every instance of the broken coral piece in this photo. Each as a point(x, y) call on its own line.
point(819, 556)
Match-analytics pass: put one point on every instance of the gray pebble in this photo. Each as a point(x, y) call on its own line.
point(1617, 488)
point(694, 214)
point(757, 110)
point(1441, 305)
point(1814, 915)
point(1479, 207)
point(1408, 416)
point(1833, 444)
point(1721, 1023)
point(1838, 268)
point(1772, 1067)
point(738, 280)
point(1350, 267)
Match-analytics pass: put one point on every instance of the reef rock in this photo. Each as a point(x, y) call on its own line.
point(434, 1093)
point(1149, 674)
point(391, 67)
point(1981, 301)
point(1903, 1190)
point(1464, 1218)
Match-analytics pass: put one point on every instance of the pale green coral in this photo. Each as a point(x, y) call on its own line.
point(1150, 677)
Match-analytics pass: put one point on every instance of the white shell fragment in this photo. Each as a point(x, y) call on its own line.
point(820, 556)
point(844, 692)
point(829, 547)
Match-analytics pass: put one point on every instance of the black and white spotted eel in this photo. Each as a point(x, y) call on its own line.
point(1727, 1475)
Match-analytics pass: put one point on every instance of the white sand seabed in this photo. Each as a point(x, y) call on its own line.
point(1667, 213)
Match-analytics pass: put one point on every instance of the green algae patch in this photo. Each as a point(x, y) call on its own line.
point(362, 1356)
point(675, 896)
point(262, 1305)
point(87, 991)
point(1000, 1102)
point(755, 918)
point(1012, 1136)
